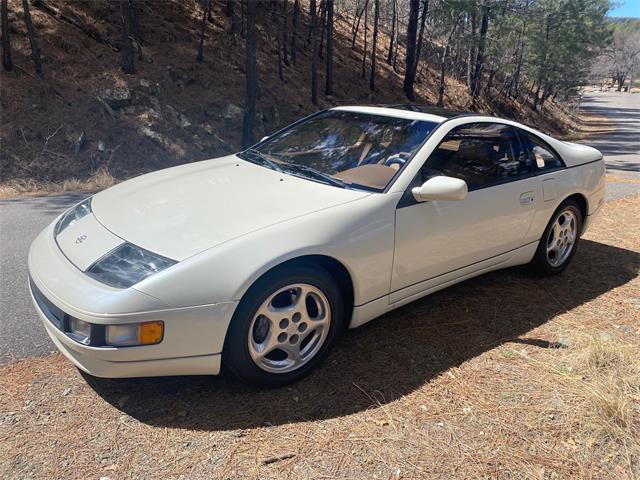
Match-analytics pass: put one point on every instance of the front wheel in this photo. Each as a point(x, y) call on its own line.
point(284, 326)
point(559, 240)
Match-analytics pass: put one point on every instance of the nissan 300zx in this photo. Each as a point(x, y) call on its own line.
point(259, 260)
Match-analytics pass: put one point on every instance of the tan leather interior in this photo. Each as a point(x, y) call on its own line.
point(376, 176)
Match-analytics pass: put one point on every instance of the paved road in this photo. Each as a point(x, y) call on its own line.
point(21, 333)
point(621, 148)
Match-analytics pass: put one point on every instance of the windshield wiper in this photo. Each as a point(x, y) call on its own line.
point(312, 172)
point(260, 158)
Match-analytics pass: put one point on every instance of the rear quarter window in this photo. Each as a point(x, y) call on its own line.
point(541, 155)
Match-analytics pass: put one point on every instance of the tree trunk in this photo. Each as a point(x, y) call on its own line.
point(329, 76)
point(251, 77)
point(357, 25)
point(364, 48)
point(443, 63)
point(126, 51)
point(35, 51)
point(392, 35)
point(294, 30)
point(203, 24)
point(285, 32)
point(395, 50)
point(323, 25)
point(410, 58)
point(279, 44)
point(374, 46)
point(228, 8)
point(314, 53)
point(536, 98)
point(473, 47)
point(423, 19)
point(475, 80)
point(6, 40)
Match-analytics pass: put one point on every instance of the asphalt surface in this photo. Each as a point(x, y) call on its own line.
point(21, 332)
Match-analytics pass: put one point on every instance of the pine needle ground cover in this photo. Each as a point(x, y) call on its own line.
point(503, 376)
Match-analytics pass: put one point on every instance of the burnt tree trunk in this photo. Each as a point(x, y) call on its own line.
point(364, 48)
point(126, 51)
point(6, 40)
point(374, 45)
point(203, 25)
point(35, 51)
point(294, 30)
point(251, 77)
point(410, 58)
point(314, 52)
point(392, 35)
point(329, 76)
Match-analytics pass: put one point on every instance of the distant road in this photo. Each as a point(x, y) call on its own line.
point(621, 148)
point(21, 332)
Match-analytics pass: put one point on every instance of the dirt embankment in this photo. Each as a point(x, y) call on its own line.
point(86, 123)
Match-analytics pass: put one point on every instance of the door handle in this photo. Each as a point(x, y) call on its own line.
point(527, 198)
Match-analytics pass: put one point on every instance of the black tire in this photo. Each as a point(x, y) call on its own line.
point(236, 355)
point(541, 263)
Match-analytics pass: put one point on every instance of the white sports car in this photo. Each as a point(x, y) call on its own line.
point(259, 260)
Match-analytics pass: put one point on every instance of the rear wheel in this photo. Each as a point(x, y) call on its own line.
point(560, 239)
point(284, 326)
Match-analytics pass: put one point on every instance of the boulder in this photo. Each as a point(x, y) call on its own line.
point(118, 97)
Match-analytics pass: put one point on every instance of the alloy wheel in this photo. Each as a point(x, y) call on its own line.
point(289, 328)
point(562, 238)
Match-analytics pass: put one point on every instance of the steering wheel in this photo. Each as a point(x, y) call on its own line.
point(399, 159)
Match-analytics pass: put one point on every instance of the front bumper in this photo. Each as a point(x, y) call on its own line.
point(193, 336)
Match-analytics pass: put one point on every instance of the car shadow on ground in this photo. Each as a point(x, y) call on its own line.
point(389, 357)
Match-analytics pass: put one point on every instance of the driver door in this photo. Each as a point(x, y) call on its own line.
point(439, 241)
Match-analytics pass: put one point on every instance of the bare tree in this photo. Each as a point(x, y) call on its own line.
point(6, 41)
point(251, 76)
point(126, 51)
point(475, 79)
point(314, 52)
point(374, 45)
point(423, 18)
point(392, 35)
point(329, 76)
point(410, 58)
point(35, 51)
point(366, 36)
point(203, 25)
point(356, 24)
point(443, 60)
point(294, 29)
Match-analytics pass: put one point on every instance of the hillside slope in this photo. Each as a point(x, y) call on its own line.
point(87, 117)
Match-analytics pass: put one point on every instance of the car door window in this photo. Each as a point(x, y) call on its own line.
point(540, 155)
point(481, 154)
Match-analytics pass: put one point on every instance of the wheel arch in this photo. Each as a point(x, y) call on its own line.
point(581, 200)
point(333, 266)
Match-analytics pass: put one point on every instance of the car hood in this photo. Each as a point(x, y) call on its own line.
point(181, 211)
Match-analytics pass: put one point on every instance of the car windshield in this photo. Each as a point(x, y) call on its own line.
point(344, 148)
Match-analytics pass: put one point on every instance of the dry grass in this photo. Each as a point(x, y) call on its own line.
point(504, 376)
point(100, 180)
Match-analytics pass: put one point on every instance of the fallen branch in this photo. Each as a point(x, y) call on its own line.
point(106, 107)
point(74, 20)
point(278, 458)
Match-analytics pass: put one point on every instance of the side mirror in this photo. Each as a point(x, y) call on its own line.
point(441, 188)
